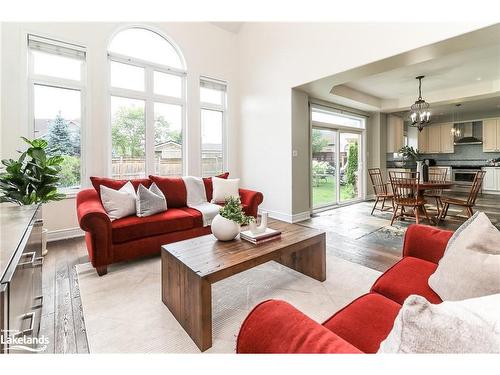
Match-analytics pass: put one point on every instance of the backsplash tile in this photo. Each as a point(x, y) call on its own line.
point(463, 155)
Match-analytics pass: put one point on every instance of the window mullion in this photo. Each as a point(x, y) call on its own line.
point(150, 122)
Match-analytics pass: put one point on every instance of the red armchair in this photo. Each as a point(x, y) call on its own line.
point(133, 237)
point(277, 327)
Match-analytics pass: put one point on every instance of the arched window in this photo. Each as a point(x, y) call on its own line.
point(148, 97)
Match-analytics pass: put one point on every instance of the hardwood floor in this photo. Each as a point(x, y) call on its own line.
point(351, 233)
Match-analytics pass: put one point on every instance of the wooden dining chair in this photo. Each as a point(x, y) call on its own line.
point(380, 190)
point(405, 187)
point(437, 175)
point(468, 203)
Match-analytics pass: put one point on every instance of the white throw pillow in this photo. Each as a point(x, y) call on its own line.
point(469, 326)
point(470, 266)
point(225, 188)
point(118, 203)
point(150, 202)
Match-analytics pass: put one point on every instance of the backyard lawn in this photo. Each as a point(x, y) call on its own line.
point(325, 192)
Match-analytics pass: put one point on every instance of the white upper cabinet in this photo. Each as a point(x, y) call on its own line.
point(491, 135)
point(395, 133)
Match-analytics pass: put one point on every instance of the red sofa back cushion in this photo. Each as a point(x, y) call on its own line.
point(117, 184)
point(209, 187)
point(174, 190)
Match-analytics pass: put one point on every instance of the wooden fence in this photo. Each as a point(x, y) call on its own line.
point(129, 168)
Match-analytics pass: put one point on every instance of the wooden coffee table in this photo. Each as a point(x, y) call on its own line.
point(190, 267)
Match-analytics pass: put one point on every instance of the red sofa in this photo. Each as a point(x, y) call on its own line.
point(277, 327)
point(133, 237)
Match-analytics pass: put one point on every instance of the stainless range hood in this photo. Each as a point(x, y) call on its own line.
point(470, 133)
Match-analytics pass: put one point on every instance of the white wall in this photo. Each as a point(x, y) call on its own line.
point(208, 50)
point(274, 58)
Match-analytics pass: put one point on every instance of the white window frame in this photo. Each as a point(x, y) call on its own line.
point(149, 98)
point(215, 107)
point(62, 83)
point(339, 129)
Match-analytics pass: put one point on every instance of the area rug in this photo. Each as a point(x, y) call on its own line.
point(124, 313)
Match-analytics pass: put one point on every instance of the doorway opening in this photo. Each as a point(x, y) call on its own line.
point(337, 154)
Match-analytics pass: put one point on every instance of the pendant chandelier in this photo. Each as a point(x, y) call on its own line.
point(420, 114)
point(455, 130)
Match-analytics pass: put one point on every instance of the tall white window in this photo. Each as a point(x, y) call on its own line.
point(213, 126)
point(148, 100)
point(57, 90)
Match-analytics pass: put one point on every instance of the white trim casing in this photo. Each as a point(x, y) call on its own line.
point(64, 234)
point(220, 108)
point(149, 97)
point(63, 83)
point(295, 218)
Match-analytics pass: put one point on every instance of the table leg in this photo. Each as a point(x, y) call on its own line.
point(189, 299)
point(310, 261)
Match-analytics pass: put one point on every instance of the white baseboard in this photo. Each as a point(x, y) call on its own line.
point(287, 217)
point(63, 234)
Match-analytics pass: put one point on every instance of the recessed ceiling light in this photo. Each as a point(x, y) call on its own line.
point(478, 78)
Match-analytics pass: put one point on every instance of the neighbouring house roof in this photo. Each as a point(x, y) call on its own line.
point(42, 126)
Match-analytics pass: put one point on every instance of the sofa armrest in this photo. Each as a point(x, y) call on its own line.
point(278, 327)
point(90, 210)
point(251, 199)
point(425, 242)
point(93, 219)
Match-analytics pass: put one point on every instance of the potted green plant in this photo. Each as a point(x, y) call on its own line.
point(413, 155)
point(226, 225)
point(33, 178)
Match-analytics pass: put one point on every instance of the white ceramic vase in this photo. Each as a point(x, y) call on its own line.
point(263, 224)
point(420, 170)
point(224, 229)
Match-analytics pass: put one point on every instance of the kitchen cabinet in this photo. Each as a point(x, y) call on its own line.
point(434, 143)
point(436, 139)
point(395, 134)
point(447, 138)
point(491, 135)
point(423, 140)
point(491, 182)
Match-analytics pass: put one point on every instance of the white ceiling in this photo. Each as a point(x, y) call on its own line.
point(477, 108)
point(459, 69)
point(463, 69)
point(232, 27)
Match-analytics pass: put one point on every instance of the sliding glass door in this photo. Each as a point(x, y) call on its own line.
point(337, 158)
point(350, 164)
point(324, 167)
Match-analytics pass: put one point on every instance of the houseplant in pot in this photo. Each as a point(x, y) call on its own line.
point(409, 154)
point(226, 225)
point(33, 178)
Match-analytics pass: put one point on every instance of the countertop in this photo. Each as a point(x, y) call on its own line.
point(14, 221)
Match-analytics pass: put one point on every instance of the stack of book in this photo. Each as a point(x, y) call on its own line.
point(268, 235)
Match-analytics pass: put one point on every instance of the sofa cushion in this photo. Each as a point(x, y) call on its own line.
point(197, 216)
point(173, 188)
point(133, 227)
point(365, 322)
point(117, 184)
point(209, 187)
point(409, 276)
